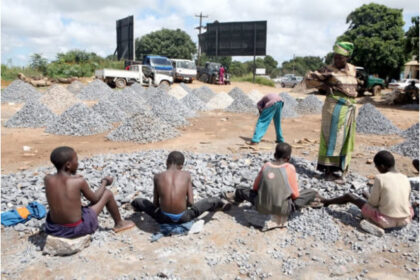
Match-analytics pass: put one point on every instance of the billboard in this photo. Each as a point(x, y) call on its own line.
point(246, 38)
point(125, 38)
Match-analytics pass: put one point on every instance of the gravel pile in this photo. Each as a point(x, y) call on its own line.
point(185, 87)
point(75, 87)
point(178, 92)
point(128, 100)
point(94, 90)
point(143, 128)
point(20, 92)
point(192, 102)
point(241, 102)
point(255, 95)
point(58, 99)
point(168, 108)
point(289, 106)
point(410, 147)
point(310, 105)
point(211, 175)
point(137, 88)
point(371, 121)
point(33, 114)
point(204, 93)
point(221, 101)
point(79, 120)
point(109, 111)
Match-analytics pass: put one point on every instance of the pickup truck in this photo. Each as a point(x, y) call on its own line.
point(210, 73)
point(290, 80)
point(141, 74)
point(368, 82)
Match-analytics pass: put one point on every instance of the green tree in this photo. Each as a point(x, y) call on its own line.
point(300, 65)
point(412, 38)
point(378, 36)
point(166, 42)
point(39, 63)
point(270, 64)
point(238, 69)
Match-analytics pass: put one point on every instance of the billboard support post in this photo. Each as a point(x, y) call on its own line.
point(255, 51)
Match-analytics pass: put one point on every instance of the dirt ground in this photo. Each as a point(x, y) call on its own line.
point(212, 132)
point(131, 253)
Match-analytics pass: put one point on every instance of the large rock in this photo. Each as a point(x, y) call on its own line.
point(56, 246)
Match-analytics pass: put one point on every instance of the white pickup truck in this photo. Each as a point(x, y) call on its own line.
point(141, 74)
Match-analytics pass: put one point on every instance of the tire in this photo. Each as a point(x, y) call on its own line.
point(204, 78)
point(120, 83)
point(164, 83)
point(376, 90)
point(283, 85)
point(360, 93)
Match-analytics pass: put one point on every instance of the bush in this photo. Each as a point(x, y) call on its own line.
point(258, 80)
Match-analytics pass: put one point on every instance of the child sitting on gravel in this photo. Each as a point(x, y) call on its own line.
point(173, 199)
point(67, 218)
point(275, 190)
point(388, 204)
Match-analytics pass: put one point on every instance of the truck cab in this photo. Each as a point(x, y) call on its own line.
point(368, 82)
point(184, 70)
point(159, 64)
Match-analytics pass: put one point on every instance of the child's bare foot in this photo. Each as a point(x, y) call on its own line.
point(123, 225)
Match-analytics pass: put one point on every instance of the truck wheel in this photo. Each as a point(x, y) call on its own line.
point(164, 83)
point(360, 93)
point(204, 78)
point(120, 83)
point(283, 85)
point(376, 90)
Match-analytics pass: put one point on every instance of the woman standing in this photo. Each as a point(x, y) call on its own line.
point(339, 112)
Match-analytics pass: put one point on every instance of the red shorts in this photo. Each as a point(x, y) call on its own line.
point(384, 221)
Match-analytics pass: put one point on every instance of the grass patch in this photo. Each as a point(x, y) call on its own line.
point(258, 80)
point(11, 73)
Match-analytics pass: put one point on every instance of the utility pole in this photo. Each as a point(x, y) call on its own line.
point(199, 33)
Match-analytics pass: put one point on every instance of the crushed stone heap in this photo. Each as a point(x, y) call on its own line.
point(58, 99)
point(178, 92)
point(220, 102)
point(94, 90)
point(168, 108)
point(20, 92)
point(79, 120)
point(128, 100)
point(192, 102)
point(75, 87)
point(371, 121)
point(33, 114)
point(410, 147)
point(310, 105)
point(204, 93)
point(255, 95)
point(143, 128)
point(289, 106)
point(241, 102)
point(109, 111)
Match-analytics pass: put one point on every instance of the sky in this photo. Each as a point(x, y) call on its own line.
point(48, 27)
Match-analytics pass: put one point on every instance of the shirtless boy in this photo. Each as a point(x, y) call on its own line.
point(173, 199)
point(67, 217)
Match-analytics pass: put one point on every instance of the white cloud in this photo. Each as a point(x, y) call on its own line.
point(294, 27)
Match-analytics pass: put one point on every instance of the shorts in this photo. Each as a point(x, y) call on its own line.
point(384, 221)
point(88, 225)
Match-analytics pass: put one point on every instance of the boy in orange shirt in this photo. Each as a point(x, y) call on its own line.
point(275, 190)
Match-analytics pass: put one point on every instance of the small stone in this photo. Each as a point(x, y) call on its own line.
point(371, 228)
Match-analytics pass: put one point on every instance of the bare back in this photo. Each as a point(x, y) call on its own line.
point(172, 191)
point(64, 197)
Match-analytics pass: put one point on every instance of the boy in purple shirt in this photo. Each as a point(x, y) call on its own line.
point(270, 107)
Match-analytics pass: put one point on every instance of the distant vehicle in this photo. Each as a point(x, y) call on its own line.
point(402, 84)
point(290, 80)
point(368, 82)
point(184, 70)
point(210, 73)
point(142, 74)
point(159, 64)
